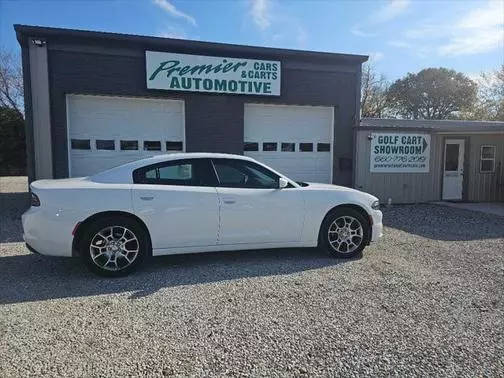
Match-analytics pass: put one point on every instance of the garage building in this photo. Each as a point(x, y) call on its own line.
point(95, 100)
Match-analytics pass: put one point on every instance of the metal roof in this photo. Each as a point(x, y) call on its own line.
point(432, 125)
point(25, 31)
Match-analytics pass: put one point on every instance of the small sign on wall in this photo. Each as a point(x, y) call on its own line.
point(400, 153)
point(198, 73)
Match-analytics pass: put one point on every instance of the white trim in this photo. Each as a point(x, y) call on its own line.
point(494, 147)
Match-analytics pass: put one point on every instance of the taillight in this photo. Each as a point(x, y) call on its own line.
point(35, 200)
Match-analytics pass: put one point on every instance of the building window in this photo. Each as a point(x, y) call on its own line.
point(487, 163)
point(251, 146)
point(152, 145)
point(174, 146)
point(105, 144)
point(129, 145)
point(269, 146)
point(306, 147)
point(323, 147)
point(288, 147)
point(80, 144)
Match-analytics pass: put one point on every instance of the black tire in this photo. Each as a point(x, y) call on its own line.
point(117, 224)
point(338, 214)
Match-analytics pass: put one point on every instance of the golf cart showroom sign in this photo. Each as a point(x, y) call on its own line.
point(197, 73)
point(400, 153)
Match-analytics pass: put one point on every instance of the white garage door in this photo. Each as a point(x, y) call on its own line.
point(294, 140)
point(104, 132)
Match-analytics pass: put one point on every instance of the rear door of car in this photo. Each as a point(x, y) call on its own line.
point(178, 202)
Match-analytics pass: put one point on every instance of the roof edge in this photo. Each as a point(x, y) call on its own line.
point(24, 31)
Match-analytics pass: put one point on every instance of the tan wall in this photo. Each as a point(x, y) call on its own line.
point(400, 187)
point(486, 186)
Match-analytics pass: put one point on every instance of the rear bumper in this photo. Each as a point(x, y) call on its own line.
point(46, 233)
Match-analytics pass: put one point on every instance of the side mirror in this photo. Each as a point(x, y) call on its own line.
point(282, 183)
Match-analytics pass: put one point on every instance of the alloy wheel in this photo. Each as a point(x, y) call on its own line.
point(114, 248)
point(345, 234)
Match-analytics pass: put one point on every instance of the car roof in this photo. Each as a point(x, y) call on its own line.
point(122, 173)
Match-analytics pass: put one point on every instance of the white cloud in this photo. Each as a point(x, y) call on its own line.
point(173, 11)
point(356, 30)
point(387, 12)
point(391, 10)
point(476, 31)
point(400, 44)
point(171, 32)
point(260, 11)
point(480, 41)
point(376, 56)
point(491, 15)
point(302, 37)
point(479, 31)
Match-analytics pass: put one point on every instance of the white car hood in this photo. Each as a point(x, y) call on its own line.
point(366, 197)
point(316, 185)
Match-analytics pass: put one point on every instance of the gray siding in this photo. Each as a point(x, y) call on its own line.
point(400, 187)
point(486, 186)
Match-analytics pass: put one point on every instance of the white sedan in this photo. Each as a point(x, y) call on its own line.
point(193, 202)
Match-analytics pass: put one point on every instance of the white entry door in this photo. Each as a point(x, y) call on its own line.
point(453, 175)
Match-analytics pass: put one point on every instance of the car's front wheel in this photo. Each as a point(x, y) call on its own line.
point(345, 232)
point(113, 246)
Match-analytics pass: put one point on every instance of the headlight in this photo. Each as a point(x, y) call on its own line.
point(35, 200)
point(375, 205)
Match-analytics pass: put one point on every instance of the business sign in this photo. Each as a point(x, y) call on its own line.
point(400, 152)
point(197, 73)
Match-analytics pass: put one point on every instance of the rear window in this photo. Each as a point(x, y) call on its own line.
point(187, 172)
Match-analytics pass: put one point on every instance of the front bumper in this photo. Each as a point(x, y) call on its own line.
point(377, 228)
point(31, 249)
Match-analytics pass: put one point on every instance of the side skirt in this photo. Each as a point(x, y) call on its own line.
point(230, 247)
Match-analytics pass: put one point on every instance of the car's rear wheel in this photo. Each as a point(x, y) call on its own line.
point(344, 233)
point(113, 246)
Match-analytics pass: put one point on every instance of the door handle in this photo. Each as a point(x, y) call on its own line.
point(147, 198)
point(229, 201)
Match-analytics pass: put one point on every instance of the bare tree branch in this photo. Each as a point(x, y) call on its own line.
point(11, 81)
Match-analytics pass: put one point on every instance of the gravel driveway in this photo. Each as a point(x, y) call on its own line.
point(428, 299)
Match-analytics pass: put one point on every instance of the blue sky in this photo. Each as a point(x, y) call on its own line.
point(400, 35)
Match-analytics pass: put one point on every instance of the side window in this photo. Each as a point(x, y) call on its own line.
point(487, 159)
point(234, 173)
point(188, 172)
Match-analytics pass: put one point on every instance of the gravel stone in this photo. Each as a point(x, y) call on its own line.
point(427, 299)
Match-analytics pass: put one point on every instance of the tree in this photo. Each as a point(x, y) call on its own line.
point(11, 81)
point(490, 104)
point(373, 93)
point(12, 135)
point(433, 93)
point(12, 142)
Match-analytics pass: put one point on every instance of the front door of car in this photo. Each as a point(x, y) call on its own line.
point(253, 209)
point(178, 202)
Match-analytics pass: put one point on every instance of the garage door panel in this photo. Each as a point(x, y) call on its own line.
point(291, 124)
point(120, 119)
